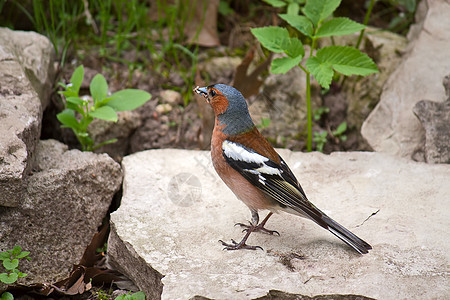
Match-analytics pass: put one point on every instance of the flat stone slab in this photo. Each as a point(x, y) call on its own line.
point(175, 209)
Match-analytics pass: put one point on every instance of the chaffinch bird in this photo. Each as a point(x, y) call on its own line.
point(254, 171)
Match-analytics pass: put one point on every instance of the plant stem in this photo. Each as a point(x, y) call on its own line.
point(308, 113)
point(366, 21)
point(308, 102)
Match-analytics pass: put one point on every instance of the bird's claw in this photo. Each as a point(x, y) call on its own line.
point(236, 246)
point(257, 228)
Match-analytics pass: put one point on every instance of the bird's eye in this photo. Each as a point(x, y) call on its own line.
point(212, 93)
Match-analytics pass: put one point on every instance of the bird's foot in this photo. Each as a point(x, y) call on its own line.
point(259, 227)
point(236, 246)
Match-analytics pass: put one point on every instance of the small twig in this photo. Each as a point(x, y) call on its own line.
point(89, 17)
point(373, 214)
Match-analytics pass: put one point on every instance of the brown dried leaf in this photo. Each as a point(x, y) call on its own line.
point(249, 84)
point(90, 256)
point(204, 18)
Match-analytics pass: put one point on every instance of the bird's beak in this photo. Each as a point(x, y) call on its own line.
point(202, 91)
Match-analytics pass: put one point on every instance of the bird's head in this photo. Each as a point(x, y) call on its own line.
point(230, 107)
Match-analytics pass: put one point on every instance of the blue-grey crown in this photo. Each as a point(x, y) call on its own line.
point(236, 117)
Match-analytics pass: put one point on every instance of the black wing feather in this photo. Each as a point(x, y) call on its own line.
point(285, 189)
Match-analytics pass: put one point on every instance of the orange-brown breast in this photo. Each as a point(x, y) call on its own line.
point(241, 187)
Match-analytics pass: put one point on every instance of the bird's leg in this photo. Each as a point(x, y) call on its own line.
point(260, 226)
point(250, 228)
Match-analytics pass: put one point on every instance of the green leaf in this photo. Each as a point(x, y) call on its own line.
point(340, 129)
point(319, 10)
point(69, 93)
point(301, 23)
point(284, 64)
point(23, 254)
point(21, 275)
point(16, 250)
point(7, 296)
point(104, 113)
point(343, 59)
point(77, 79)
point(128, 99)
point(4, 255)
point(338, 26)
point(293, 8)
point(347, 60)
point(10, 264)
point(98, 88)
point(8, 278)
point(275, 3)
point(67, 118)
point(294, 48)
point(76, 104)
point(322, 71)
point(139, 296)
point(75, 100)
point(272, 37)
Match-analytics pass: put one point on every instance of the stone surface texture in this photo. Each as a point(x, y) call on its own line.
point(67, 196)
point(175, 209)
point(392, 126)
point(435, 119)
point(26, 79)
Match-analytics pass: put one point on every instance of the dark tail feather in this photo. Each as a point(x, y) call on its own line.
point(346, 236)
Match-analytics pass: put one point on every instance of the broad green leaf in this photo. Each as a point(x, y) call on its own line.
point(293, 9)
point(338, 26)
point(272, 37)
point(8, 278)
point(6, 296)
point(75, 104)
point(98, 88)
point(340, 129)
point(10, 264)
point(67, 118)
point(16, 250)
point(322, 71)
point(128, 99)
point(347, 60)
point(275, 3)
point(343, 59)
point(74, 107)
point(301, 23)
point(294, 48)
point(77, 79)
point(104, 113)
point(69, 93)
point(75, 100)
point(4, 255)
point(21, 275)
point(23, 254)
point(319, 10)
point(139, 296)
point(284, 64)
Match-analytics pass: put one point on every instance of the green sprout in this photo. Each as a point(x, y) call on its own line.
point(79, 111)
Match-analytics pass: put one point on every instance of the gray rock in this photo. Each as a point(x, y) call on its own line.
point(175, 209)
point(435, 119)
point(363, 93)
point(26, 79)
point(392, 126)
point(67, 196)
